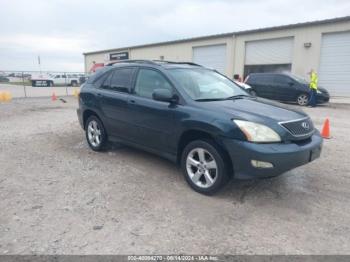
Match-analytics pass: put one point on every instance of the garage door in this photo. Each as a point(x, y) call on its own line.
point(334, 71)
point(213, 56)
point(272, 55)
point(268, 52)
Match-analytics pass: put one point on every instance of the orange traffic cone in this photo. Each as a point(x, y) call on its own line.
point(53, 97)
point(326, 130)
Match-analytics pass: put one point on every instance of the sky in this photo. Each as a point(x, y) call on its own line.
point(60, 30)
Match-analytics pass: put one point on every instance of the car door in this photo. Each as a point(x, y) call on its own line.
point(152, 121)
point(284, 88)
point(113, 100)
point(57, 79)
point(263, 86)
point(64, 80)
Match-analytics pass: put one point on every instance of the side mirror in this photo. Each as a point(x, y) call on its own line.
point(164, 95)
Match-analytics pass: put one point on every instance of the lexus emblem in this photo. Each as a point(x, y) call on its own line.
point(305, 125)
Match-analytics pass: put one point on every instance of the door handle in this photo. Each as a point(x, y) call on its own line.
point(132, 101)
point(99, 94)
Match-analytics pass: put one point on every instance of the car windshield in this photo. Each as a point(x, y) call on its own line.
point(203, 84)
point(298, 79)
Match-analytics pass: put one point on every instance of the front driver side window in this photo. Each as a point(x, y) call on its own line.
point(149, 80)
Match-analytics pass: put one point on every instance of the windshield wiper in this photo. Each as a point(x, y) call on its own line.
point(222, 99)
point(209, 99)
point(237, 97)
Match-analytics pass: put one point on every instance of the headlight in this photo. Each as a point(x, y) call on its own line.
point(257, 132)
point(319, 92)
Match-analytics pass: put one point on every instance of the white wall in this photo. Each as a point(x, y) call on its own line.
point(174, 52)
point(304, 59)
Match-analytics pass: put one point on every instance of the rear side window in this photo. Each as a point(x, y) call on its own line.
point(98, 75)
point(119, 80)
point(263, 79)
point(149, 80)
point(100, 80)
point(281, 80)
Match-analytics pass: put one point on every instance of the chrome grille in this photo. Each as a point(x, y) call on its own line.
point(299, 127)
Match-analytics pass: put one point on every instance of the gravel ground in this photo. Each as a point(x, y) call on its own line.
point(59, 197)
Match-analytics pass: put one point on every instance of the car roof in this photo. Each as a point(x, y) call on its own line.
point(264, 74)
point(155, 63)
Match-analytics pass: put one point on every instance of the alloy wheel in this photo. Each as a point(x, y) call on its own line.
point(303, 100)
point(201, 167)
point(94, 133)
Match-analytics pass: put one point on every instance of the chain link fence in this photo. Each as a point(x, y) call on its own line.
point(40, 83)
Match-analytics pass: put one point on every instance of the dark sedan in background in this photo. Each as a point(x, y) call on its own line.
point(284, 87)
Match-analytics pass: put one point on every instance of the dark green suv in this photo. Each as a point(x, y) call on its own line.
point(197, 118)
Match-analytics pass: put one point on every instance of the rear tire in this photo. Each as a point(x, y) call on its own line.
point(50, 83)
point(74, 83)
point(95, 133)
point(33, 83)
point(204, 168)
point(303, 99)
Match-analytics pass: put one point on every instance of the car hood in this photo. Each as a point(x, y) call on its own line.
point(256, 109)
point(322, 89)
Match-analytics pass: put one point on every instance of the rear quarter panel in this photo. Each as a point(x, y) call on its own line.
point(88, 101)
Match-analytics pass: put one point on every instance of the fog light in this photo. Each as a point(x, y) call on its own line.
point(261, 164)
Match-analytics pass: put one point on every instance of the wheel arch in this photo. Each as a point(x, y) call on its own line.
point(196, 134)
point(87, 113)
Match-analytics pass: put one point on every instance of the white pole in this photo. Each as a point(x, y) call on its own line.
point(39, 63)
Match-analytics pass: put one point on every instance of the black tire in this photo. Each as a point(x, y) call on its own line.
point(253, 93)
point(303, 99)
point(33, 83)
point(222, 173)
point(50, 83)
point(103, 135)
point(74, 83)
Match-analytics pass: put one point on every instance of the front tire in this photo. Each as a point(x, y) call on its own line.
point(204, 167)
point(95, 133)
point(303, 99)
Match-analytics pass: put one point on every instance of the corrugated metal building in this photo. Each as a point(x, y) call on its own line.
point(321, 45)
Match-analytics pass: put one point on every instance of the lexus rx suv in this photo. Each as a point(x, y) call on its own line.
point(197, 118)
point(284, 87)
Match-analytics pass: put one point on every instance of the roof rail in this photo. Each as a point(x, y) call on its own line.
point(172, 62)
point(151, 62)
point(140, 61)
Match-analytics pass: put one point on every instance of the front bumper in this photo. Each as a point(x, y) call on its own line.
point(283, 156)
point(322, 98)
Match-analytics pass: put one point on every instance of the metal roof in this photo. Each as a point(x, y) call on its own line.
point(231, 34)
